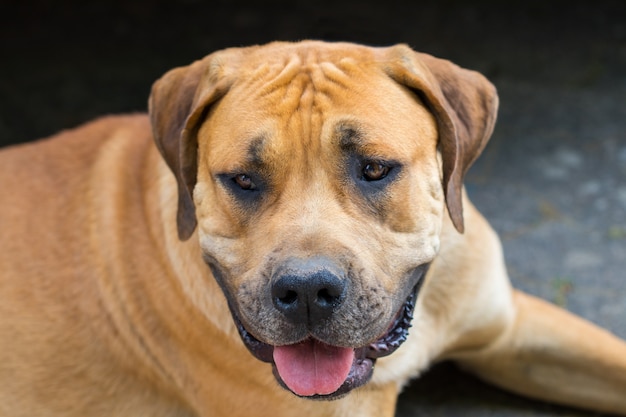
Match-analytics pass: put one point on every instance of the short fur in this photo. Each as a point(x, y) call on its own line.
point(108, 305)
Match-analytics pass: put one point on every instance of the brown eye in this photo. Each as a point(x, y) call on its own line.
point(374, 171)
point(244, 182)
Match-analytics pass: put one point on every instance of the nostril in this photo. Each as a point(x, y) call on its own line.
point(286, 296)
point(290, 298)
point(328, 298)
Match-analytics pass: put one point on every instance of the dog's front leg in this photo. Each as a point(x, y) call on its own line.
point(549, 354)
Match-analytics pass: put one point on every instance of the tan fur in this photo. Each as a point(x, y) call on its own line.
point(108, 308)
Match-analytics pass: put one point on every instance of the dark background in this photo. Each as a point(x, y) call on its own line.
point(552, 181)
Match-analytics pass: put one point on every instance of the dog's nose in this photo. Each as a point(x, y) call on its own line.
point(308, 292)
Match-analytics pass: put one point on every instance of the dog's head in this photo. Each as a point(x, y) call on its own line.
point(318, 177)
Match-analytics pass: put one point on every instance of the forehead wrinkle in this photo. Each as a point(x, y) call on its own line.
point(277, 75)
point(335, 74)
point(286, 79)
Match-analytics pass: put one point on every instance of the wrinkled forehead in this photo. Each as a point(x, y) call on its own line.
point(307, 56)
point(314, 95)
point(289, 76)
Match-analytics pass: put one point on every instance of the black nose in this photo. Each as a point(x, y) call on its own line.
point(308, 291)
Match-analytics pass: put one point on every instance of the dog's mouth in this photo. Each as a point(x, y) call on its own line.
point(314, 369)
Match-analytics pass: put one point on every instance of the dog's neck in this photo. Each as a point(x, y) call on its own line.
point(159, 311)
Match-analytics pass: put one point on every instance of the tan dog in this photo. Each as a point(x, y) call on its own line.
point(322, 185)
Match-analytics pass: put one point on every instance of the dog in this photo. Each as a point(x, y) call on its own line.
point(288, 224)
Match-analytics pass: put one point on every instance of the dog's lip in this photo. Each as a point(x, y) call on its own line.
point(364, 357)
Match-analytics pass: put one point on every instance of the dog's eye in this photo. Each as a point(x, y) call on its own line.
point(244, 182)
point(374, 171)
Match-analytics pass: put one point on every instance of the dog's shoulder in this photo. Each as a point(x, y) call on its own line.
point(54, 176)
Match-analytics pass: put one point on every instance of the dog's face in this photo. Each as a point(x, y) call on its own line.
point(317, 176)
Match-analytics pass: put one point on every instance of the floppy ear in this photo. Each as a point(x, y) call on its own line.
point(464, 104)
point(178, 104)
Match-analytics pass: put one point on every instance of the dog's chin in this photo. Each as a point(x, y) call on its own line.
point(351, 375)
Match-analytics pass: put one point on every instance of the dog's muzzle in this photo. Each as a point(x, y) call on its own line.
point(312, 368)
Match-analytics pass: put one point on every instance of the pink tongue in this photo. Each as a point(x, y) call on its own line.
point(312, 367)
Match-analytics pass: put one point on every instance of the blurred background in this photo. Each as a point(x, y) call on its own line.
point(552, 181)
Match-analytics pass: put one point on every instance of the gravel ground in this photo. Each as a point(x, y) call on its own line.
point(552, 181)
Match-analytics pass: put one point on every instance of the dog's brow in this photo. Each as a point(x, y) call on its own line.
point(255, 150)
point(349, 137)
